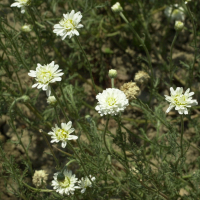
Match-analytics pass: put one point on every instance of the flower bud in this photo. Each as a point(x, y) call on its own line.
point(179, 26)
point(88, 118)
point(112, 73)
point(51, 100)
point(26, 28)
point(61, 177)
point(141, 77)
point(25, 98)
point(117, 7)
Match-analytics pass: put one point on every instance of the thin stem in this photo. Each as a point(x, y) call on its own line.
point(170, 59)
point(35, 189)
point(104, 135)
point(182, 130)
point(57, 117)
point(112, 82)
point(44, 136)
point(58, 100)
point(82, 164)
point(37, 34)
point(90, 69)
point(143, 45)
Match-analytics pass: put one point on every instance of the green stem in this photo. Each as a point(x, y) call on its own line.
point(57, 117)
point(45, 138)
point(35, 189)
point(171, 63)
point(182, 130)
point(112, 82)
point(90, 69)
point(82, 164)
point(104, 135)
point(58, 100)
point(143, 45)
point(37, 34)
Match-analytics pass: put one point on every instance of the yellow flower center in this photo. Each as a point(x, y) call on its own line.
point(65, 183)
point(180, 100)
point(68, 24)
point(25, 2)
point(61, 134)
point(44, 76)
point(111, 101)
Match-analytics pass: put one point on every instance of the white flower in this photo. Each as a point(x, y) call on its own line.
point(85, 182)
point(21, 4)
point(117, 7)
point(180, 101)
point(68, 25)
point(111, 101)
point(44, 75)
point(51, 100)
point(176, 13)
point(67, 186)
point(62, 134)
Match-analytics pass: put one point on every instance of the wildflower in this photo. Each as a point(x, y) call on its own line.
point(179, 25)
point(111, 101)
point(180, 101)
point(68, 25)
point(66, 186)
point(85, 182)
point(26, 28)
point(112, 73)
point(131, 90)
point(40, 178)
point(176, 14)
point(117, 7)
point(21, 4)
point(141, 77)
point(62, 134)
point(51, 100)
point(44, 75)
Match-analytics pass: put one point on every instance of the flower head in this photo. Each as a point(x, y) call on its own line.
point(85, 182)
point(62, 134)
point(180, 101)
point(68, 25)
point(44, 75)
point(21, 4)
point(131, 90)
point(66, 186)
point(176, 13)
point(117, 7)
point(39, 178)
point(111, 101)
point(51, 100)
point(141, 77)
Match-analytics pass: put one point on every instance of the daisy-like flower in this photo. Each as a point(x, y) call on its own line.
point(62, 134)
point(66, 186)
point(111, 101)
point(21, 4)
point(68, 25)
point(176, 13)
point(44, 75)
point(180, 101)
point(85, 182)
